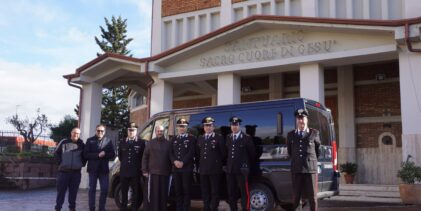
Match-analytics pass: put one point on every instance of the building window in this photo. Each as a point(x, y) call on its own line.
point(138, 100)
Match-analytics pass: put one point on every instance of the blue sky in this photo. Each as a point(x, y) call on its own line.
point(41, 40)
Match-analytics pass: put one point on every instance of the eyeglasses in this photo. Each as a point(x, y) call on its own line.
point(132, 130)
point(182, 126)
point(208, 125)
point(100, 131)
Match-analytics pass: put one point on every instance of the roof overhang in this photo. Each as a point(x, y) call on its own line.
point(114, 63)
point(112, 70)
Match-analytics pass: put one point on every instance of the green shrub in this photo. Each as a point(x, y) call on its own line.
point(349, 168)
point(409, 172)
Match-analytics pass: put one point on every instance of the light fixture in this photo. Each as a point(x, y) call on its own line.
point(246, 89)
point(380, 77)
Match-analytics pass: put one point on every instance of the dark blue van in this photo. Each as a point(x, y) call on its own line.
point(268, 123)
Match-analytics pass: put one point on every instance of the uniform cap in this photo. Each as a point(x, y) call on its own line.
point(235, 120)
point(301, 113)
point(182, 121)
point(132, 125)
point(208, 120)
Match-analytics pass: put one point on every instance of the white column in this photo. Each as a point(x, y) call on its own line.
point(410, 89)
point(287, 7)
point(332, 8)
point(349, 9)
point(366, 9)
point(226, 12)
point(161, 96)
point(346, 115)
point(276, 85)
point(385, 9)
point(312, 82)
point(309, 8)
point(91, 117)
point(411, 8)
point(229, 89)
point(156, 27)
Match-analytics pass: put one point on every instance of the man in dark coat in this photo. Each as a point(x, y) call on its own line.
point(304, 149)
point(130, 152)
point(156, 165)
point(98, 151)
point(69, 157)
point(183, 149)
point(241, 155)
point(211, 153)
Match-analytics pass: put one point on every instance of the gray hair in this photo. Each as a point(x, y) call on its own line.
point(159, 127)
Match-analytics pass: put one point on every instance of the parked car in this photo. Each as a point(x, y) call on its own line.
point(268, 123)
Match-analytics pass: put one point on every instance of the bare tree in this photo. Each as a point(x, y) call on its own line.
point(31, 130)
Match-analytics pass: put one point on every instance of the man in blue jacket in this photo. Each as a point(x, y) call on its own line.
point(98, 151)
point(69, 157)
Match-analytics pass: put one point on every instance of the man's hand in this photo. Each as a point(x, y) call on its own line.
point(101, 154)
point(178, 164)
point(145, 174)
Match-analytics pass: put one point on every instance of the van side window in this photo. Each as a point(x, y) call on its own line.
point(196, 127)
point(268, 127)
point(320, 122)
point(165, 122)
point(147, 132)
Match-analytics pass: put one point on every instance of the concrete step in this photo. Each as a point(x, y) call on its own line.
point(386, 194)
point(369, 193)
point(365, 199)
point(368, 187)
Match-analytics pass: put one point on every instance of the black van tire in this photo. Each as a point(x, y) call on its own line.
point(261, 198)
point(117, 197)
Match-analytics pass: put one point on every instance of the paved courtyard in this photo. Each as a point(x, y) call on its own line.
point(44, 200)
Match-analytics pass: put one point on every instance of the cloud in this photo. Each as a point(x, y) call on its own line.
point(25, 88)
point(30, 11)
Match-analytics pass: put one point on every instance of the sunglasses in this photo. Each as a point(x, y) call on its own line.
point(100, 131)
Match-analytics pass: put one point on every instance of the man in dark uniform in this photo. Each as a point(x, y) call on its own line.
point(241, 155)
point(130, 154)
point(211, 153)
point(98, 151)
point(156, 165)
point(304, 149)
point(183, 149)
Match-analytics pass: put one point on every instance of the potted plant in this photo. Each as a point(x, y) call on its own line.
point(410, 174)
point(349, 169)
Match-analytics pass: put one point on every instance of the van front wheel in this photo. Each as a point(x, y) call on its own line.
point(261, 198)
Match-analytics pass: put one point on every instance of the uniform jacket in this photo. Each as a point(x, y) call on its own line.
point(240, 153)
point(92, 149)
point(304, 151)
point(211, 154)
point(158, 158)
point(130, 155)
point(68, 145)
point(183, 149)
